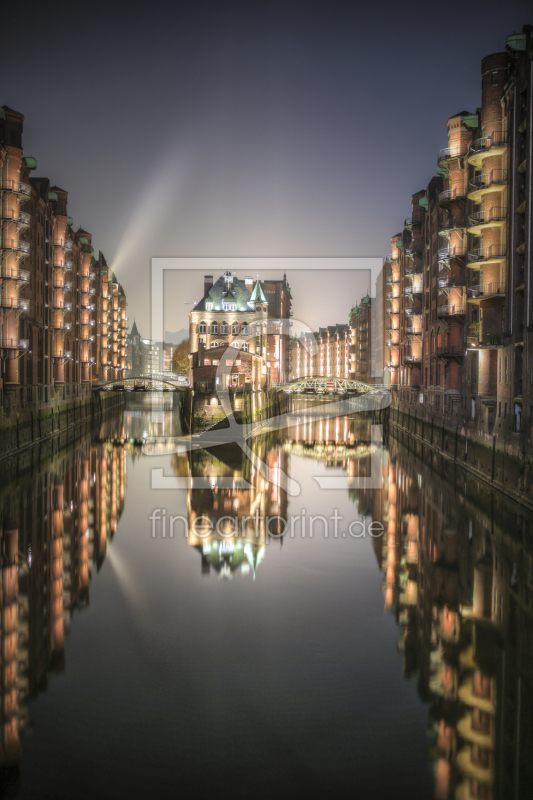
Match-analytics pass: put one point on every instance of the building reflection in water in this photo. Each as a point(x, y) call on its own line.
point(227, 521)
point(456, 562)
point(57, 523)
point(458, 575)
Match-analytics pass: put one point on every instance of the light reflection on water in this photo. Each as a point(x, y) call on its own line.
point(396, 665)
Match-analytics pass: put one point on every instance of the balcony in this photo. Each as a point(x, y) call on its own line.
point(66, 286)
point(495, 145)
point(21, 303)
point(391, 311)
point(410, 312)
point(416, 219)
point(486, 291)
point(65, 266)
point(60, 325)
point(493, 181)
point(486, 255)
point(413, 269)
point(451, 351)
point(14, 246)
point(450, 311)
point(391, 343)
point(19, 275)
point(412, 290)
point(451, 282)
point(413, 330)
point(492, 218)
point(14, 344)
point(63, 244)
point(21, 218)
point(392, 280)
point(414, 249)
point(450, 196)
point(447, 253)
point(87, 306)
point(23, 190)
point(412, 359)
point(62, 306)
point(447, 154)
point(453, 223)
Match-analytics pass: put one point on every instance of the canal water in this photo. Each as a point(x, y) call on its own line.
point(336, 617)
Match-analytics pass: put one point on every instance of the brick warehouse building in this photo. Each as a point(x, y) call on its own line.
point(457, 308)
point(328, 352)
point(239, 313)
point(62, 314)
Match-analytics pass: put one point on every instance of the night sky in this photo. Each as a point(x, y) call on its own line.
point(221, 129)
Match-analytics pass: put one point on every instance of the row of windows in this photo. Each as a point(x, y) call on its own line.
point(238, 345)
point(224, 328)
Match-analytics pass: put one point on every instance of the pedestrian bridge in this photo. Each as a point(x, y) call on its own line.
point(145, 384)
point(333, 386)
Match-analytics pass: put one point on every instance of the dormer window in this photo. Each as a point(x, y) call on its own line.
point(209, 306)
point(229, 306)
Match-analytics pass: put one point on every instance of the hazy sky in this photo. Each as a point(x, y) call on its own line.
point(243, 129)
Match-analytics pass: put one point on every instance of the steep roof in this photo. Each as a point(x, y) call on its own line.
point(134, 329)
point(258, 295)
point(218, 293)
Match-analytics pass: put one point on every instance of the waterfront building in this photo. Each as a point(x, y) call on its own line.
point(460, 334)
point(328, 352)
point(232, 312)
point(62, 316)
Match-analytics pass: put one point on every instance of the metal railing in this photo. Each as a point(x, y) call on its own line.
point(484, 217)
point(451, 282)
point(446, 253)
point(486, 253)
point(496, 139)
point(452, 223)
point(487, 290)
point(22, 275)
point(15, 215)
point(410, 290)
point(455, 350)
point(15, 302)
point(450, 310)
point(450, 194)
point(14, 344)
point(455, 151)
point(16, 247)
point(16, 186)
point(484, 180)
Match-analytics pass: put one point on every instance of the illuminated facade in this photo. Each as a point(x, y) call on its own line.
point(62, 317)
point(459, 290)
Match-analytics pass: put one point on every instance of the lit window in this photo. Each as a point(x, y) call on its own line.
point(224, 328)
point(214, 327)
point(203, 327)
point(209, 306)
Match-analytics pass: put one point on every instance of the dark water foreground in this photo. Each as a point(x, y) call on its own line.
point(323, 660)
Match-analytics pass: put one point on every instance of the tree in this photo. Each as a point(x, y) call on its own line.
point(180, 358)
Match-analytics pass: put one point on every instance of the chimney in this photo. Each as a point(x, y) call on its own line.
point(208, 283)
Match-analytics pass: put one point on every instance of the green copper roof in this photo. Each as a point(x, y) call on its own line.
point(471, 121)
point(70, 220)
point(52, 195)
point(424, 202)
point(257, 294)
point(30, 162)
point(516, 41)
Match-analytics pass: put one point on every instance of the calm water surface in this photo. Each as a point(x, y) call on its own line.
point(258, 666)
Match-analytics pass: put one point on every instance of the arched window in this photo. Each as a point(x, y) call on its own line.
point(235, 328)
point(245, 346)
point(214, 328)
point(203, 327)
point(214, 344)
point(244, 330)
point(224, 328)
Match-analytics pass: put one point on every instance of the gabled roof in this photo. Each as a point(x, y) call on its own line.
point(134, 329)
point(258, 295)
point(237, 292)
